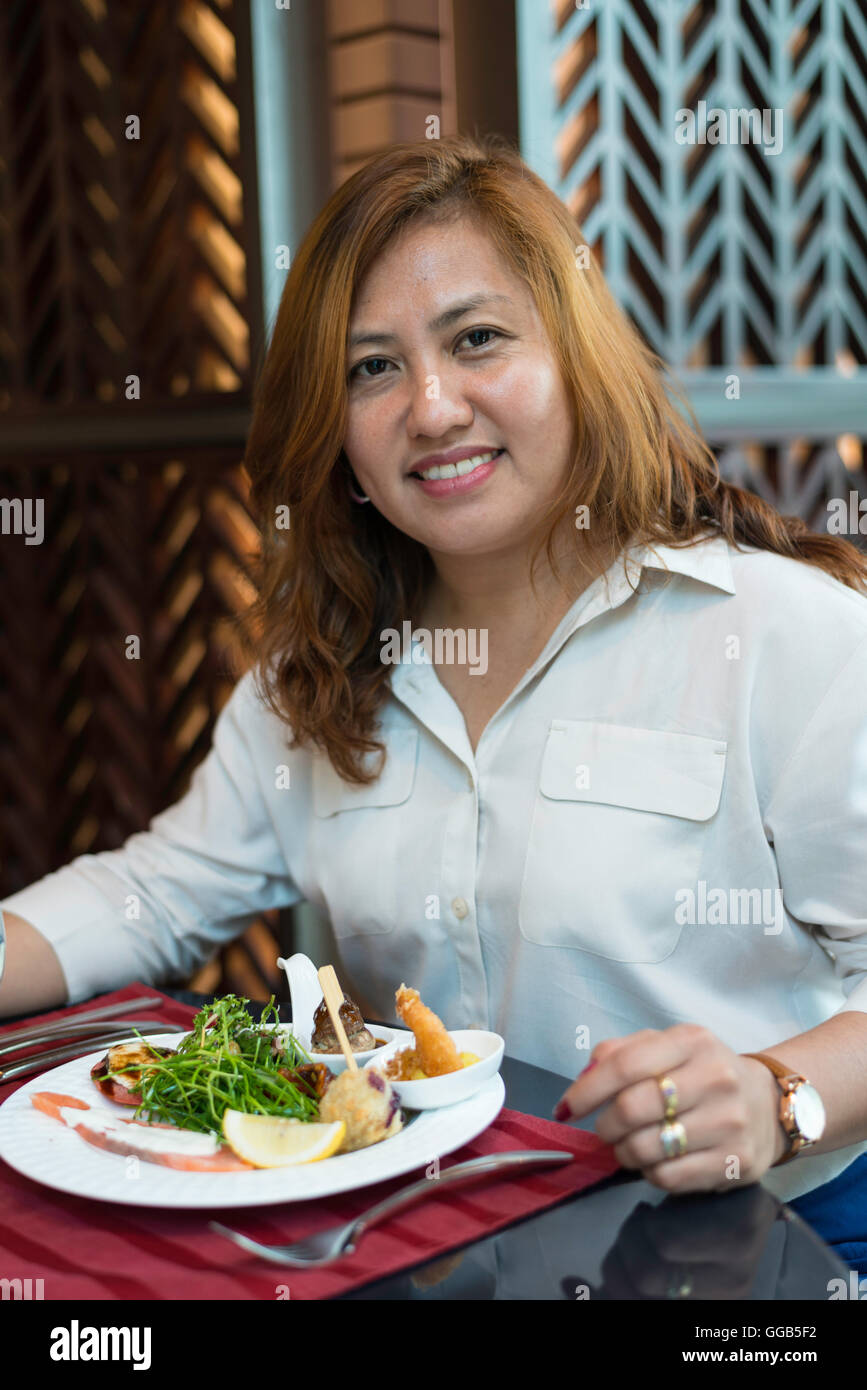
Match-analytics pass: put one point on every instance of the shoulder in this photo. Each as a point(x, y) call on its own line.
point(789, 631)
point(769, 595)
point(777, 589)
point(247, 714)
point(802, 636)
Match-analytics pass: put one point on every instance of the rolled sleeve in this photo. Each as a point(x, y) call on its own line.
point(200, 873)
point(817, 819)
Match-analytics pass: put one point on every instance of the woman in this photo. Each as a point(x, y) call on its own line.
point(623, 802)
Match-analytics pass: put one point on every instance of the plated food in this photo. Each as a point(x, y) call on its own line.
point(359, 1036)
point(226, 1062)
point(118, 1075)
point(368, 1106)
point(168, 1145)
point(48, 1152)
point(434, 1053)
point(312, 1023)
point(236, 1095)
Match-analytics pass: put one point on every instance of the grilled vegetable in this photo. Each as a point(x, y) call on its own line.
point(118, 1075)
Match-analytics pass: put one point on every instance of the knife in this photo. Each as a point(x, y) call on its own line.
point(23, 1035)
point(31, 1065)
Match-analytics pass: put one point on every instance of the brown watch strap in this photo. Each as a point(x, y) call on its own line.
point(782, 1074)
point(776, 1067)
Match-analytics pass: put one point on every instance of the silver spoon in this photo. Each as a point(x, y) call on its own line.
point(325, 1246)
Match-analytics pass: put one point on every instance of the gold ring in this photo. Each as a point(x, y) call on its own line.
point(669, 1096)
point(673, 1139)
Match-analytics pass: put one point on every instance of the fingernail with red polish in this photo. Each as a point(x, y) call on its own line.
point(561, 1110)
point(591, 1063)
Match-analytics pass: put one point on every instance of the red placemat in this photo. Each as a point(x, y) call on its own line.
point(85, 1249)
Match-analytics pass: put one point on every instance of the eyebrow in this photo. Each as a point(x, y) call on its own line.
point(443, 320)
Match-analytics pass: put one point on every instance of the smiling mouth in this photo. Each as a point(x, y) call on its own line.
point(457, 470)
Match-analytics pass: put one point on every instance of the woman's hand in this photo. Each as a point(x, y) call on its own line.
point(728, 1105)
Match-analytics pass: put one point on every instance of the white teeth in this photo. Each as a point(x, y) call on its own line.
point(458, 470)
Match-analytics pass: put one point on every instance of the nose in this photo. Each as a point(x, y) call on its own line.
point(438, 403)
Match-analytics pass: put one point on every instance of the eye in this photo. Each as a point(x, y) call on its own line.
point(368, 361)
point(492, 333)
point(373, 361)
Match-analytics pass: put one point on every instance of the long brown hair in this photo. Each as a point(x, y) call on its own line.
point(341, 573)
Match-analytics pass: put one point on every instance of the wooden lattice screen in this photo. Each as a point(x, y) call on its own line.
point(739, 245)
point(130, 334)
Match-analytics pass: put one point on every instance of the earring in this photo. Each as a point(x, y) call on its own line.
point(356, 496)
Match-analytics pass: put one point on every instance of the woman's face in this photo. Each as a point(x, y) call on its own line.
point(437, 375)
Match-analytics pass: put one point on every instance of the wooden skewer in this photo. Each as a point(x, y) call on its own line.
point(333, 996)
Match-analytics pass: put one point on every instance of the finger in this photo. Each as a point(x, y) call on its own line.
point(642, 1055)
point(708, 1170)
point(703, 1130)
point(643, 1103)
point(562, 1110)
point(608, 1046)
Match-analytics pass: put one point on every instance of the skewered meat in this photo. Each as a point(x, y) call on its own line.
point(324, 1038)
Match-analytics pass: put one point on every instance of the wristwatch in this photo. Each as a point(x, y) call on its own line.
point(802, 1113)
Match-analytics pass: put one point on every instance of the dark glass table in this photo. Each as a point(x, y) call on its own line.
point(624, 1239)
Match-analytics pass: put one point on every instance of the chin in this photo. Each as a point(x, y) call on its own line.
point(478, 539)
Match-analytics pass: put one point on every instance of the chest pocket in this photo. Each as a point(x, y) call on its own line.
point(619, 827)
point(358, 838)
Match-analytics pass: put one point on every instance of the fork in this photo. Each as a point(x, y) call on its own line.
point(325, 1246)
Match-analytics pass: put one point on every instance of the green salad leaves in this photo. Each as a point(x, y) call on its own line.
point(228, 1062)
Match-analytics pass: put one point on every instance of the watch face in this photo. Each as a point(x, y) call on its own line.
point(809, 1112)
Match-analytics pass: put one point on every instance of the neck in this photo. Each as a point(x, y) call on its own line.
point(494, 590)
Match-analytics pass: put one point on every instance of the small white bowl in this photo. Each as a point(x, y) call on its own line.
point(305, 993)
point(436, 1091)
point(335, 1061)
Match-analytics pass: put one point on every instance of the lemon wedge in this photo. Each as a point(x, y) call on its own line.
point(268, 1141)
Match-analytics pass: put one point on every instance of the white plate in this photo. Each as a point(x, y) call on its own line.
point(48, 1152)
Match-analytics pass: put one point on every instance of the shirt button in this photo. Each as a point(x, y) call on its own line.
point(459, 907)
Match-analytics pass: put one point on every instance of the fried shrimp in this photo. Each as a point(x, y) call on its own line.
point(434, 1048)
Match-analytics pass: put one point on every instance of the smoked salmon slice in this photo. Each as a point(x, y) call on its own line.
point(118, 1135)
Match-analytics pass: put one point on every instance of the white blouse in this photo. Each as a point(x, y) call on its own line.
point(665, 821)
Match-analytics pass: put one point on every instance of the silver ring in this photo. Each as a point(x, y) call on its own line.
point(672, 1136)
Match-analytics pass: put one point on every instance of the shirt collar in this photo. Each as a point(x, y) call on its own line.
point(423, 693)
point(708, 561)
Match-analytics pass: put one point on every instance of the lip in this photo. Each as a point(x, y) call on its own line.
point(454, 487)
point(460, 451)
